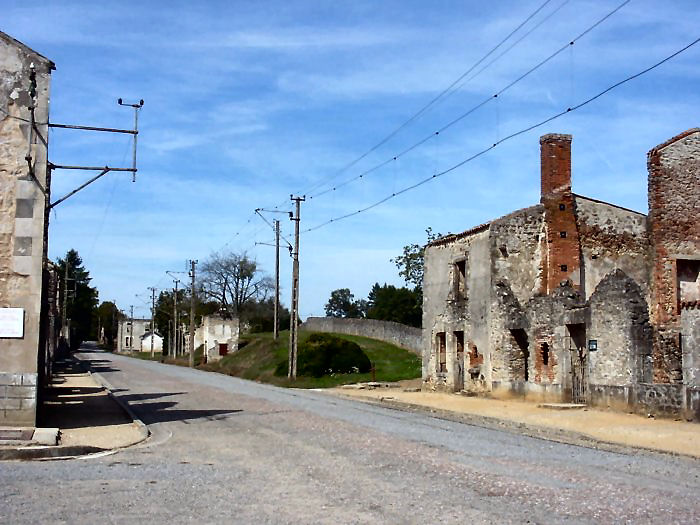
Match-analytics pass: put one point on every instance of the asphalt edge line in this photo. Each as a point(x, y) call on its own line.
point(557, 435)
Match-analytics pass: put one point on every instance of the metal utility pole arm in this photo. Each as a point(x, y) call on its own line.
point(103, 170)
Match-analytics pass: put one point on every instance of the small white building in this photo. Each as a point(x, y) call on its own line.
point(146, 342)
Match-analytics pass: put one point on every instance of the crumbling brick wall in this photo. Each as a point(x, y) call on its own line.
point(674, 234)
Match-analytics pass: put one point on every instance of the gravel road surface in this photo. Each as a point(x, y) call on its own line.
point(224, 450)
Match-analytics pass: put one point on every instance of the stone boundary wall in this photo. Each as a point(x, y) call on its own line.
point(664, 399)
point(407, 337)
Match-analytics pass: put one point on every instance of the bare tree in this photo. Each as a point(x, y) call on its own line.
point(234, 280)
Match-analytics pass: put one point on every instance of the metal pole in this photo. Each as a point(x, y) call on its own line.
point(136, 139)
point(276, 330)
point(192, 299)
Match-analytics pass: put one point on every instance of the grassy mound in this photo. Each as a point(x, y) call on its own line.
point(261, 358)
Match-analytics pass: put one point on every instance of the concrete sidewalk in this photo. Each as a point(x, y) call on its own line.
point(83, 414)
point(587, 427)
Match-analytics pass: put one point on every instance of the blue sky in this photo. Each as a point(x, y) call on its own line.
point(249, 102)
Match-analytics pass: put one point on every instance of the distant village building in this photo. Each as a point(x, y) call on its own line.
point(145, 343)
point(130, 332)
point(26, 287)
point(218, 335)
point(575, 299)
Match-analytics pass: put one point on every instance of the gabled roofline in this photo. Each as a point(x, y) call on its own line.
point(476, 229)
point(672, 140)
point(13, 41)
point(609, 204)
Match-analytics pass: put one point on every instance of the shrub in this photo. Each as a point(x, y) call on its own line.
point(324, 354)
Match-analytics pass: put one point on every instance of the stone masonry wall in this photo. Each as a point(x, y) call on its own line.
point(22, 223)
point(690, 343)
point(674, 233)
point(611, 238)
point(619, 321)
point(407, 337)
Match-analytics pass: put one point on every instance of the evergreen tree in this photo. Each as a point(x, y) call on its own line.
point(81, 301)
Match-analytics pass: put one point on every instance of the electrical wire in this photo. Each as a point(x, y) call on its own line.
point(474, 108)
point(427, 106)
point(504, 139)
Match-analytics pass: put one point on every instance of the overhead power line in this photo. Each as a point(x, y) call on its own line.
point(504, 139)
point(474, 108)
point(430, 104)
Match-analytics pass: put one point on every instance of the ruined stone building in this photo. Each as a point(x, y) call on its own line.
point(575, 299)
point(130, 332)
point(24, 270)
point(218, 335)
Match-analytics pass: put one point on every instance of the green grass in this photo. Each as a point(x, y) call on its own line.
point(260, 354)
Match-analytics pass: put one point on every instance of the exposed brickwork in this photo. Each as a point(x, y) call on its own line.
point(562, 257)
point(545, 281)
point(674, 232)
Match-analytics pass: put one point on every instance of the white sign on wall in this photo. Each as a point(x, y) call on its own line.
point(12, 323)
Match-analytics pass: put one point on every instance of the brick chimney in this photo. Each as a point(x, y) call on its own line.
point(555, 162)
point(561, 256)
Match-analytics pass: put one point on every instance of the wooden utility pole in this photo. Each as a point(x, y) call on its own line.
point(276, 330)
point(153, 314)
point(293, 323)
point(192, 299)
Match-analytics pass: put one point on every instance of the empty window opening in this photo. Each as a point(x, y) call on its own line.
point(688, 272)
point(562, 235)
point(442, 352)
point(563, 267)
point(459, 341)
point(545, 354)
point(562, 207)
point(460, 283)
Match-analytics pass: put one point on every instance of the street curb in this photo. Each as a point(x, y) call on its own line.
point(143, 429)
point(566, 437)
point(24, 453)
point(48, 452)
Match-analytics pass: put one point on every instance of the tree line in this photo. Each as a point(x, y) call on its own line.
point(388, 302)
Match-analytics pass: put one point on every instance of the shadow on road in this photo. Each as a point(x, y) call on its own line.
point(163, 411)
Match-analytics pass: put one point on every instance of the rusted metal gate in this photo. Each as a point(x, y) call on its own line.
point(579, 363)
point(579, 375)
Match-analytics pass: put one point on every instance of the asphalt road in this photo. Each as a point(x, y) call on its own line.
point(224, 450)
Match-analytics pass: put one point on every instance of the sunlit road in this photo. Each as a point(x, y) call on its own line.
point(225, 450)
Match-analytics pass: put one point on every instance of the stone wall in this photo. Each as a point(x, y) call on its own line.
point(407, 337)
point(674, 233)
point(619, 322)
point(658, 399)
point(611, 238)
point(22, 222)
point(690, 344)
